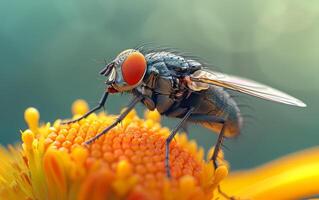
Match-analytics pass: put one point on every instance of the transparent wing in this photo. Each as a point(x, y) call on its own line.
point(245, 86)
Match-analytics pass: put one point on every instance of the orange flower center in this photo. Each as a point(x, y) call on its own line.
point(128, 161)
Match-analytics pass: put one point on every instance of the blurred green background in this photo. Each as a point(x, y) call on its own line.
point(51, 53)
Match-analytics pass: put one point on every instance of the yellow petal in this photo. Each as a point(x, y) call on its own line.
point(295, 176)
point(96, 186)
point(55, 174)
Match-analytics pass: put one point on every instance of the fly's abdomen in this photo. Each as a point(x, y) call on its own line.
point(217, 102)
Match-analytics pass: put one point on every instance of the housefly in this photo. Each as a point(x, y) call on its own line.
point(181, 87)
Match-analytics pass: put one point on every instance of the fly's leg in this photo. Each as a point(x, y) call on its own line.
point(219, 142)
point(212, 119)
point(99, 106)
point(118, 120)
point(218, 145)
point(170, 138)
point(217, 148)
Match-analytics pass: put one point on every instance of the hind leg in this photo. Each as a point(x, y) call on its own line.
point(218, 145)
point(199, 118)
point(213, 119)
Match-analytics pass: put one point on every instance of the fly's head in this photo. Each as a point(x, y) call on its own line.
point(126, 71)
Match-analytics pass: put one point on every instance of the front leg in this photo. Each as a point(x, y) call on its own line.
point(99, 106)
point(170, 138)
point(118, 120)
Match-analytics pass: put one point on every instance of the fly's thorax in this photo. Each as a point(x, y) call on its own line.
point(128, 70)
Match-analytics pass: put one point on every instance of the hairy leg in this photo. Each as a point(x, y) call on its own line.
point(99, 106)
point(118, 120)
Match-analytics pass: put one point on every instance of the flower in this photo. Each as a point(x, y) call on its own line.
point(128, 163)
point(125, 163)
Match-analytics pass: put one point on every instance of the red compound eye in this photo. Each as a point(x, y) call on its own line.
point(133, 68)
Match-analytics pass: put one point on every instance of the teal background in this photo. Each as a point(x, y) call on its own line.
point(51, 52)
